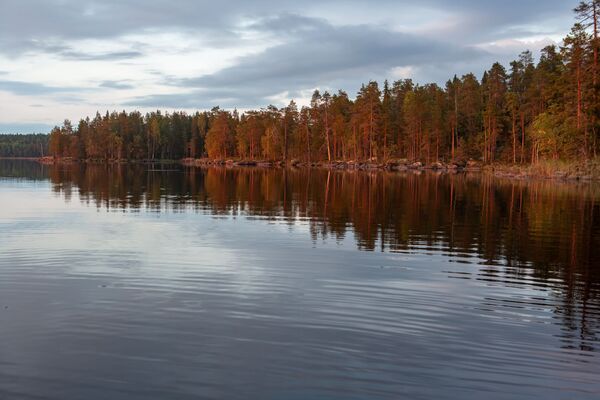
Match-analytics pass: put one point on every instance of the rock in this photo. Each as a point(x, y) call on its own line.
point(188, 161)
point(350, 165)
point(473, 165)
point(560, 174)
point(245, 163)
point(416, 165)
point(399, 167)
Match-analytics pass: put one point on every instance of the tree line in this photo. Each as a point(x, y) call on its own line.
point(523, 113)
point(33, 145)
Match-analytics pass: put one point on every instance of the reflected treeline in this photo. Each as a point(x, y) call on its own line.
point(538, 234)
point(23, 169)
point(544, 224)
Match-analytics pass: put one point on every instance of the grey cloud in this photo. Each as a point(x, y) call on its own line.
point(67, 52)
point(314, 54)
point(69, 99)
point(112, 56)
point(34, 89)
point(23, 22)
point(64, 20)
point(204, 99)
point(193, 100)
point(63, 50)
point(116, 85)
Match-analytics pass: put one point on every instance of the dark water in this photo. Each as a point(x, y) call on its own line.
point(137, 282)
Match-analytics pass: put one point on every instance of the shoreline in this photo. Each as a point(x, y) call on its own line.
point(546, 170)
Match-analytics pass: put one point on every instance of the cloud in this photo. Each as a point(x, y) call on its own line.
point(34, 89)
point(24, 21)
point(512, 47)
point(63, 50)
point(198, 53)
point(111, 56)
point(116, 85)
point(313, 53)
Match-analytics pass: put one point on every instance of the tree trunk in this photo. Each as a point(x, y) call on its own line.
point(355, 143)
point(514, 134)
point(453, 133)
point(578, 97)
point(307, 143)
point(285, 141)
point(327, 134)
point(522, 137)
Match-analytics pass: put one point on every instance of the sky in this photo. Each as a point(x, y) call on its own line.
point(71, 58)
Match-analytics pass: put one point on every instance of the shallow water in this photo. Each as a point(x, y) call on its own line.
point(159, 282)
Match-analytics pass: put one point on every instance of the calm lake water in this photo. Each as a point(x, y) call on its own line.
point(160, 282)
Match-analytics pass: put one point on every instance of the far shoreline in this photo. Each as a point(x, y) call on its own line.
point(546, 170)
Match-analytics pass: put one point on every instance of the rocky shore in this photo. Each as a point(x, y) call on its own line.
point(584, 171)
point(391, 165)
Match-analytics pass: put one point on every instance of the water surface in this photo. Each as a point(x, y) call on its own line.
point(161, 282)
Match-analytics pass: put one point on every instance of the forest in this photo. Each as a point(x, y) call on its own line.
point(34, 145)
point(521, 113)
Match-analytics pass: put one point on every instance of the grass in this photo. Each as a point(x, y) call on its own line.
point(557, 169)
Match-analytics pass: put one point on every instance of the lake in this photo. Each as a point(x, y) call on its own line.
point(165, 282)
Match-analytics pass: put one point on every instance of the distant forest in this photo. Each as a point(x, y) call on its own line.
point(24, 145)
point(520, 114)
